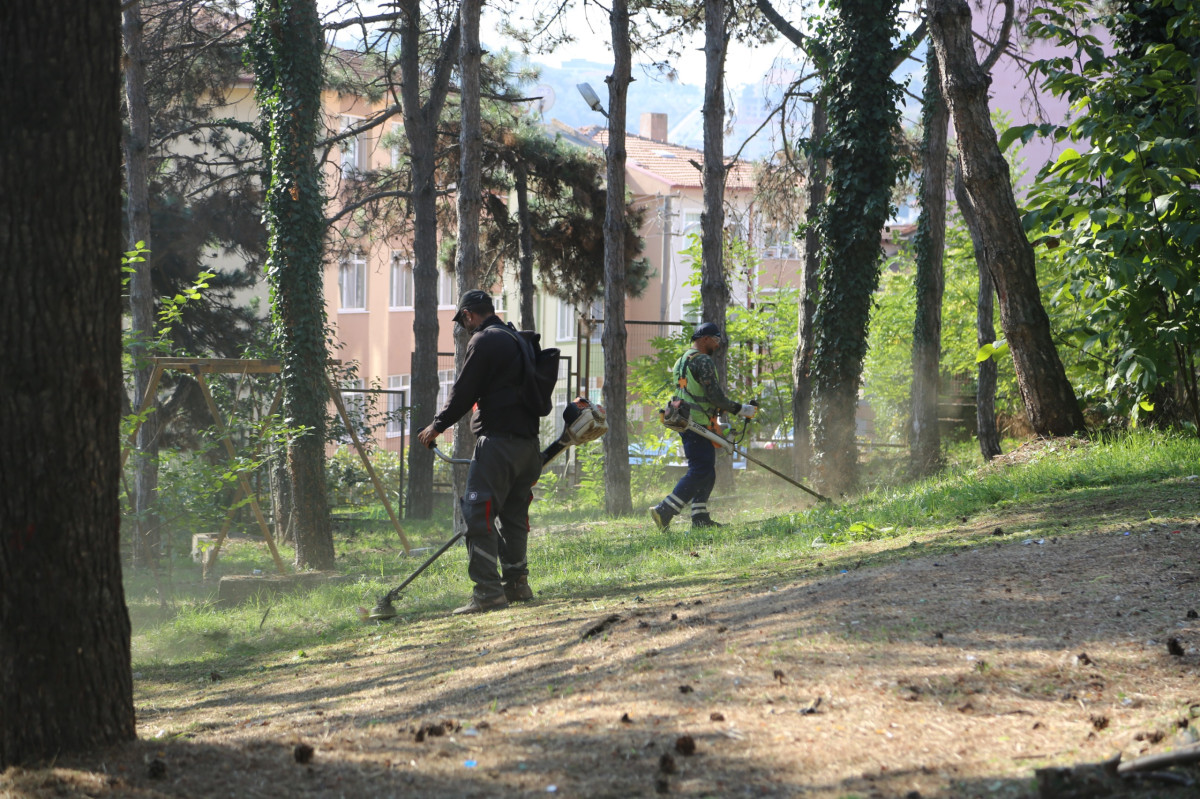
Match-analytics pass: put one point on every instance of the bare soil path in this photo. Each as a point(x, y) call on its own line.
point(948, 666)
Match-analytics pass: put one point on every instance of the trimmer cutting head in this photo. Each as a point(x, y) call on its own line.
point(383, 610)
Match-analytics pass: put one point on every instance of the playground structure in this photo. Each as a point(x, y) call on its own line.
point(198, 368)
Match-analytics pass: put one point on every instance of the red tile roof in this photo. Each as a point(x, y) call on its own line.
point(678, 166)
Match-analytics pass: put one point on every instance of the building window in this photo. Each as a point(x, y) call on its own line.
point(398, 405)
point(500, 302)
point(352, 282)
point(354, 149)
point(445, 381)
point(402, 290)
point(446, 290)
point(355, 403)
point(566, 321)
point(397, 136)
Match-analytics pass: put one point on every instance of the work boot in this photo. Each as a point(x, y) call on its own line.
point(477, 605)
point(704, 521)
point(660, 516)
point(517, 589)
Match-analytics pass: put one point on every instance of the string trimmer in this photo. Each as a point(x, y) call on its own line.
point(677, 416)
point(584, 422)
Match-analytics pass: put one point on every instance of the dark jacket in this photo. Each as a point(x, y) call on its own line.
point(492, 375)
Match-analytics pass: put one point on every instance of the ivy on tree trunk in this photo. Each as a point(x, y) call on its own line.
point(863, 107)
point(286, 46)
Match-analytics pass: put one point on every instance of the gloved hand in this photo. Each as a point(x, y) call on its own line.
point(748, 411)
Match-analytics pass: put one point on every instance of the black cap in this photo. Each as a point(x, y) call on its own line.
point(706, 329)
point(471, 300)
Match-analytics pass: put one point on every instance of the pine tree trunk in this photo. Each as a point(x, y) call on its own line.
point(525, 247)
point(65, 677)
point(802, 361)
point(469, 201)
point(288, 47)
point(147, 538)
point(1006, 253)
point(925, 443)
point(617, 500)
point(420, 128)
point(714, 289)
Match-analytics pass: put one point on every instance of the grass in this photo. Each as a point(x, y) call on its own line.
point(597, 561)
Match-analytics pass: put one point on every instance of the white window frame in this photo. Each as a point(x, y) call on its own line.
point(446, 290)
point(567, 322)
point(395, 402)
point(352, 283)
point(445, 381)
point(354, 149)
point(354, 403)
point(394, 150)
point(402, 289)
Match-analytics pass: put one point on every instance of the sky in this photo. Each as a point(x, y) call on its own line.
point(589, 25)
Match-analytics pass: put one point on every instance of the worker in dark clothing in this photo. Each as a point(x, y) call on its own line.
point(696, 383)
point(507, 459)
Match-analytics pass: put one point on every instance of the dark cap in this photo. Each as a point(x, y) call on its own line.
point(706, 329)
point(471, 300)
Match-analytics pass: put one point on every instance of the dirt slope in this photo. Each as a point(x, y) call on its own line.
point(946, 667)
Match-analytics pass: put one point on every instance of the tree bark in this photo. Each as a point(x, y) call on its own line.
point(802, 360)
point(524, 247)
point(469, 202)
point(985, 333)
point(288, 45)
point(420, 128)
point(65, 678)
point(147, 524)
point(925, 443)
point(1050, 401)
point(714, 288)
point(863, 119)
point(617, 499)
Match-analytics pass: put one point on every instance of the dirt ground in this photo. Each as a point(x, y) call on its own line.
point(947, 666)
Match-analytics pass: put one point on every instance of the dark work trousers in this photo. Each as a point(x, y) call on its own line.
point(697, 483)
point(496, 509)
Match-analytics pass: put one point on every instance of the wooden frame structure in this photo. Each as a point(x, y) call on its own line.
point(198, 367)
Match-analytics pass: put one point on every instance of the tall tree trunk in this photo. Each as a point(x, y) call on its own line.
point(141, 292)
point(925, 443)
point(524, 247)
point(65, 678)
point(420, 128)
point(1006, 253)
point(802, 360)
point(287, 47)
point(617, 499)
point(714, 289)
point(469, 202)
point(985, 389)
point(985, 333)
point(863, 119)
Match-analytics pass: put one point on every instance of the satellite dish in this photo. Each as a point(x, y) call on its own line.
point(545, 98)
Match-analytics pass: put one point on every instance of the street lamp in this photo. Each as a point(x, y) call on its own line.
point(590, 97)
